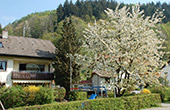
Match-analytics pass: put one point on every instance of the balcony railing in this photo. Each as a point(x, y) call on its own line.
point(32, 76)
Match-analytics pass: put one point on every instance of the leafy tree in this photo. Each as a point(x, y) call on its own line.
point(10, 29)
point(165, 29)
point(126, 46)
point(68, 45)
point(0, 29)
point(53, 37)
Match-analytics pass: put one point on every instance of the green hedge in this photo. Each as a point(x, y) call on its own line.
point(77, 96)
point(124, 103)
point(162, 91)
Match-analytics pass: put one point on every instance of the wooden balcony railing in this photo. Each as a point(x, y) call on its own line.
point(32, 76)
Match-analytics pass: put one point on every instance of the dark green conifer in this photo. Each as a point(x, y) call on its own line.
point(68, 44)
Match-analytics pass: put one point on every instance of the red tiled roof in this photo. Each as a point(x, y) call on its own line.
point(85, 81)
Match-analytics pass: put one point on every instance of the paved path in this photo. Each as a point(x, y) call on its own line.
point(164, 107)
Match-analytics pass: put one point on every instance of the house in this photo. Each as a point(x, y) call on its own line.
point(99, 79)
point(25, 60)
point(165, 72)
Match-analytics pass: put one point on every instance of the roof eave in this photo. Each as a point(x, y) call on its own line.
point(12, 55)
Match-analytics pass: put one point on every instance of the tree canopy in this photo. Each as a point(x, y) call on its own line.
point(126, 45)
point(67, 46)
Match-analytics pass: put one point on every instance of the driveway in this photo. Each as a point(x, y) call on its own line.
point(164, 107)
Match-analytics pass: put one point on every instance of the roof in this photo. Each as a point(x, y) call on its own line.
point(85, 82)
point(27, 47)
point(102, 74)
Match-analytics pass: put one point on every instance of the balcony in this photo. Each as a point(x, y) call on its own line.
point(32, 76)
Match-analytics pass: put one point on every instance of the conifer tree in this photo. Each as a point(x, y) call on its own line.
point(0, 29)
point(60, 13)
point(68, 44)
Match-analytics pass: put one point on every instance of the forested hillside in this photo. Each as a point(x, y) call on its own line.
point(48, 24)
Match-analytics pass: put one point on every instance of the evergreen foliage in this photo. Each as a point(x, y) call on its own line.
point(89, 9)
point(0, 29)
point(68, 44)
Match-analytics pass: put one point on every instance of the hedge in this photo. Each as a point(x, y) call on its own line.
point(123, 103)
point(77, 96)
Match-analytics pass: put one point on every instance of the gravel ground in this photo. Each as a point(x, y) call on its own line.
point(164, 107)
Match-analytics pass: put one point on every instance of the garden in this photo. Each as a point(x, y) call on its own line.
point(44, 98)
point(128, 50)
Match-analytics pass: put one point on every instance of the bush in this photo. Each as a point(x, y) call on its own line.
point(13, 97)
point(44, 96)
point(110, 94)
point(167, 94)
point(123, 103)
point(17, 96)
point(59, 93)
point(146, 91)
point(159, 89)
point(31, 92)
point(77, 95)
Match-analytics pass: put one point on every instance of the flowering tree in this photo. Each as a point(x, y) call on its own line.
point(126, 45)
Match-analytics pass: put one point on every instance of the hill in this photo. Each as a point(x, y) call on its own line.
point(47, 25)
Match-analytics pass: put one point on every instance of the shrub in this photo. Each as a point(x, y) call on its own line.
point(159, 89)
point(17, 96)
point(110, 94)
point(146, 91)
point(59, 93)
point(31, 89)
point(77, 95)
point(123, 103)
point(13, 97)
point(44, 96)
point(167, 94)
point(31, 92)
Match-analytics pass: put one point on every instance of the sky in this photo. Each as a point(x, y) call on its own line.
point(11, 10)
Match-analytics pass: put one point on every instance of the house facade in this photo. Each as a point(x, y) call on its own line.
point(25, 60)
point(165, 72)
point(101, 78)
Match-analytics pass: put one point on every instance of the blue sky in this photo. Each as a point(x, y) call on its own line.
point(11, 10)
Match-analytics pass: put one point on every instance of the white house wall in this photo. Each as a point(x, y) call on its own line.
point(98, 81)
point(166, 70)
point(5, 76)
point(13, 65)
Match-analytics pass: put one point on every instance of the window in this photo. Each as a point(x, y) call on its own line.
point(1, 45)
point(32, 67)
point(3, 65)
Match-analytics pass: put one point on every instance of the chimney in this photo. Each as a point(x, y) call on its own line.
point(4, 34)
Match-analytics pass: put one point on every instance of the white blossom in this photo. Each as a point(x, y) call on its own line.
point(126, 44)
